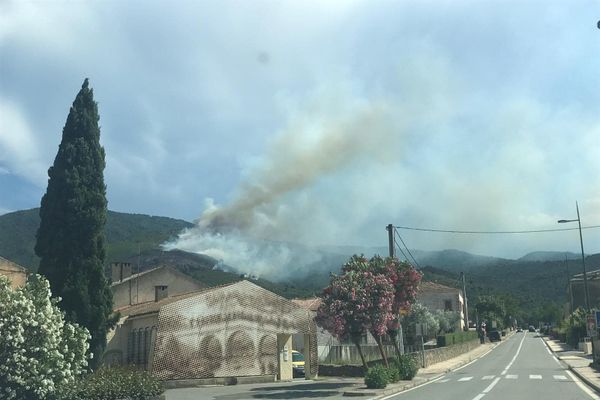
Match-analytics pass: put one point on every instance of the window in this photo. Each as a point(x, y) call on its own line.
point(448, 305)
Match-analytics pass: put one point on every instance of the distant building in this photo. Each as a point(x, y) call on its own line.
point(129, 289)
point(16, 274)
point(577, 290)
point(439, 297)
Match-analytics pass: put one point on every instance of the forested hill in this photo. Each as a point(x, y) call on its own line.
point(537, 278)
point(126, 234)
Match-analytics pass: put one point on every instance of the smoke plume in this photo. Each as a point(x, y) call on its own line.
point(249, 234)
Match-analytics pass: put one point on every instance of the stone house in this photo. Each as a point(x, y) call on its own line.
point(214, 335)
point(577, 290)
point(146, 286)
point(440, 297)
point(16, 274)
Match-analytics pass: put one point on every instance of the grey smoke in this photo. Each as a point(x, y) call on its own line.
point(246, 233)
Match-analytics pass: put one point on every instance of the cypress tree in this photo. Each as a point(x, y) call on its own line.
point(70, 239)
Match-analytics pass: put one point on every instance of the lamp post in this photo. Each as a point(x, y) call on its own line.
point(585, 285)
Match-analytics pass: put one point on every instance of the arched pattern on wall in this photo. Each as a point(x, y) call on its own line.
point(267, 354)
point(211, 353)
point(240, 351)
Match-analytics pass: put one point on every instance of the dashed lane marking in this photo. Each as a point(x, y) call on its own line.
point(512, 376)
point(514, 358)
point(535, 377)
point(444, 380)
point(560, 377)
point(465, 379)
point(488, 377)
point(487, 389)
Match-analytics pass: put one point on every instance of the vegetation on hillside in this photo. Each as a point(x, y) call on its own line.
point(125, 234)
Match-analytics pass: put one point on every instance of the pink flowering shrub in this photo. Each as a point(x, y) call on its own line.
point(368, 295)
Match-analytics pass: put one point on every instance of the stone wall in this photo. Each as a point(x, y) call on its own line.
point(445, 353)
point(432, 356)
point(348, 354)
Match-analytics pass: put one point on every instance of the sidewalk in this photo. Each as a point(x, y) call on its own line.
point(577, 361)
point(427, 374)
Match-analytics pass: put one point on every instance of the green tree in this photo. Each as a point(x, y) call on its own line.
point(70, 240)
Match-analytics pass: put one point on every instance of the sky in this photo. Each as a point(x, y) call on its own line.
point(318, 122)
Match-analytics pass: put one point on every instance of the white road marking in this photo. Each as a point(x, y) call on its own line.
point(582, 386)
point(414, 387)
point(488, 377)
point(465, 379)
point(487, 389)
point(479, 396)
point(535, 377)
point(560, 377)
point(514, 358)
point(512, 376)
point(551, 352)
point(443, 380)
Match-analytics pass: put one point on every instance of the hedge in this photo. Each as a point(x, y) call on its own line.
point(450, 339)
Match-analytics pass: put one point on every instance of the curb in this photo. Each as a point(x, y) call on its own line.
point(584, 379)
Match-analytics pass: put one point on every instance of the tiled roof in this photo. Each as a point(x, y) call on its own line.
point(311, 304)
point(167, 267)
point(12, 264)
point(135, 276)
point(436, 287)
point(154, 306)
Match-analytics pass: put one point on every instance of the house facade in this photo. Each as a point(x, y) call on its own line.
point(16, 274)
point(216, 334)
point(129, 289)
point(577, 290)
point(440, 297)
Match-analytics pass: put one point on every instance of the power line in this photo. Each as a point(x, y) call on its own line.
point(407, 249)
point(492, 232)
point(400, 248)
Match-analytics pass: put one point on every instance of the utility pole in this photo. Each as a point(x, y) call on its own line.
point(390, 229)
point(466, 302)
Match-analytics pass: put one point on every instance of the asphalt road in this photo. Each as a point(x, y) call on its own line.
point(298, 389)
point(522, 367)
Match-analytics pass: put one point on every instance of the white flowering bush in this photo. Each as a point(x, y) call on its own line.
point(39, 351)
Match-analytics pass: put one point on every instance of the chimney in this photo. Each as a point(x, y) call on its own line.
point(161, 292)
point(120, 271)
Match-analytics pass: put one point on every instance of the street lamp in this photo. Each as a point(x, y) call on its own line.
point(585, 285)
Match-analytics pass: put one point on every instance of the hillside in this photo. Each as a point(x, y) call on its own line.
point(537, 278)
point(126, 234)
point(550, 256)
point(134, 238)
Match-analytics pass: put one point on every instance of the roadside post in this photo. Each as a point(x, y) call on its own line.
point(421, 330)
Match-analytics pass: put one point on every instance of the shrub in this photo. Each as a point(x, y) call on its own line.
point(38, 349)
point(450, 339)
point(112, 384)
point(393, 374)
point(407, 367)
point(377, 377)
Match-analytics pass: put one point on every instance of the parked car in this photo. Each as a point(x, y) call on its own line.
point(494, 336)
point(297, 363)
point(519, 330)
point(531, 328)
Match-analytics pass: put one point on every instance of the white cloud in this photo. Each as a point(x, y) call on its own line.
point(496, 106)
point(19, 150)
